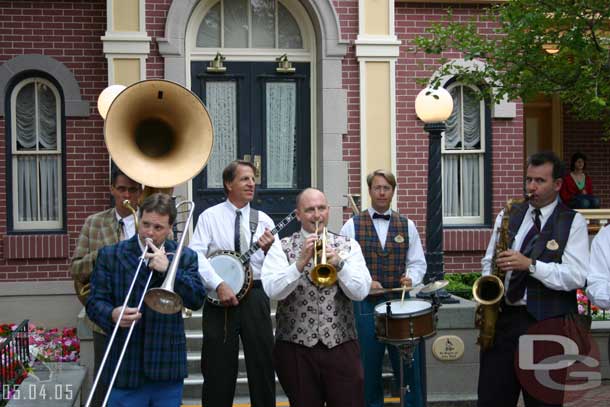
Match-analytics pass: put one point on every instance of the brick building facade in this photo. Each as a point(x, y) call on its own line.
point(75, 45)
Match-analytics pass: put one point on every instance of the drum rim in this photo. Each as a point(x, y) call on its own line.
point(407, 315)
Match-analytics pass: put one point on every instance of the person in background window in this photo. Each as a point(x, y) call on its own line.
point(103, 229)
point(577, 190)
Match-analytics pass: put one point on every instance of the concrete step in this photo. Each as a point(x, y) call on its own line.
point(193, 383)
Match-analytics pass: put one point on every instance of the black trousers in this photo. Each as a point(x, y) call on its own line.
point(318, 376)
point(222, 328)
point(99, 347)
point(499, 384)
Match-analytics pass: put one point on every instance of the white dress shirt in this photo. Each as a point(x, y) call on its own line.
point(416, 260)
point(598, 280)
point(129, 225)
point(215, 231)
point(568, 275)
point(281, 278)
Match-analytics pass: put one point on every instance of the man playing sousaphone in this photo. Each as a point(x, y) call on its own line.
point(391, 246)
point(103, 229)
point(234, 225)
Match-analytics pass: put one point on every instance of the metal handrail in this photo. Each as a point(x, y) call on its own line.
point(14, 359)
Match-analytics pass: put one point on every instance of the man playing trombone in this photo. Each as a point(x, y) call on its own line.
point(316, 354)
point(103, 229)
point(154, 364)
point(391, 246)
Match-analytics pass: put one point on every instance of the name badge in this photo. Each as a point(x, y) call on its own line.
point(399, 239)
point(552, 245)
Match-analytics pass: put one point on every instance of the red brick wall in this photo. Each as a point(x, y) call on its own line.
point(69, 31)
point(463, 248)
point(156, 13)
point(585, 136)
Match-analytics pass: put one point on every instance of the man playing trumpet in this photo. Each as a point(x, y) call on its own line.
point(391, 246)
point(315, 324)
point(154, 365)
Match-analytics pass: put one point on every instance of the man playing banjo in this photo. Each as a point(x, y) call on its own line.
point(233, 225)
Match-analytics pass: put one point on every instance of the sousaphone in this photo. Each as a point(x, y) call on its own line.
point(159, 134)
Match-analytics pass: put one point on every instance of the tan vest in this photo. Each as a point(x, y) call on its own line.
point(311, 314)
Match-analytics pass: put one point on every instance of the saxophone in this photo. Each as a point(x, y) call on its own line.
point(488, 290)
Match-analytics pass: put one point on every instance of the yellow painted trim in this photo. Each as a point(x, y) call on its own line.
point(376, 17)
point(378, 124)
point(126, 71)
point(126, 15)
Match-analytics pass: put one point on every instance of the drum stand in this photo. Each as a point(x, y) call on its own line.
point(406, 350)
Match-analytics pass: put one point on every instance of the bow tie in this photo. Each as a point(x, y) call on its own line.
point(380, 216)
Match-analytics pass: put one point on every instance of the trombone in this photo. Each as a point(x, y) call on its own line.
point(162, 299)
point(323, 274)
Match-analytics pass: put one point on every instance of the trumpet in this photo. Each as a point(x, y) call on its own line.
point(323, 274)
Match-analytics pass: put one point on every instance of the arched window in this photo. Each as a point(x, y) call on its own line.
point(35, 139)
point(464, 153)
point(249, 24)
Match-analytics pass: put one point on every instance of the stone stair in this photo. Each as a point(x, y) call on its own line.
point(193, 383)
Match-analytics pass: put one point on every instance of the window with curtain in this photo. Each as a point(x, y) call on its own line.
point(249, 24)
point(463, 151)
point(36, 153)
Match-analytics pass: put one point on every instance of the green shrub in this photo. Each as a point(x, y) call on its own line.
point(460, 284)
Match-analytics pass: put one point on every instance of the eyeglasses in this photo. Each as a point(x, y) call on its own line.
point(384, 188)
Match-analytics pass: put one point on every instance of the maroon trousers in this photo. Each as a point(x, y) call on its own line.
point(313, 376)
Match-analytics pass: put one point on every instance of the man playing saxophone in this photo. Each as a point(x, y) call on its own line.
point(545, 263)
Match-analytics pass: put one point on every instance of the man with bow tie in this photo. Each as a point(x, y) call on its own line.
point(395, 257)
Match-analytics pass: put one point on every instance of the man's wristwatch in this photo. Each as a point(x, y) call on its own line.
point(340, 265)
point(532, 267)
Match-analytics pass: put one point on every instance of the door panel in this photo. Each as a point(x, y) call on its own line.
point(263, 117)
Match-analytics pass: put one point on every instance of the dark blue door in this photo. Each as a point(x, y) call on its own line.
point(261, 116)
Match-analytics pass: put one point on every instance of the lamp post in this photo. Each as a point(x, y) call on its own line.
point(433, 107)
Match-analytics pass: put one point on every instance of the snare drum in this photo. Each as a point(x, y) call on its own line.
point(401, 321)
point(230, 268)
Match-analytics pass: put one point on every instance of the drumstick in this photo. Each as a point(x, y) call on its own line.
point(404, 288)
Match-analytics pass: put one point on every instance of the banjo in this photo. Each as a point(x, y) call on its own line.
point(234, 268)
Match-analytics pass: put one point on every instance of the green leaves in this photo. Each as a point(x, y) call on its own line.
point(516, 57)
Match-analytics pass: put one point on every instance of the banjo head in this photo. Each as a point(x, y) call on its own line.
point(229, 267)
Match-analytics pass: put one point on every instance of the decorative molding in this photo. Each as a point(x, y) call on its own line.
point(377, 47)
point(121, 43)
point(75, 106)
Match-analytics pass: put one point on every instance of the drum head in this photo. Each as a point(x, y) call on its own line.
point(407, 307)
point(230, 270)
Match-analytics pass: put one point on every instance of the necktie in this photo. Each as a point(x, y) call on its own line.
point(121, 230)
point(380, 216)
point(237, 234)
point(518, 280)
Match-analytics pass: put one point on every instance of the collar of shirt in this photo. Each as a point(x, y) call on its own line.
point(245, 214)
point(372, 211)
point(381, 225)
point(305, 234)
point(129, 225)
point(545, 213)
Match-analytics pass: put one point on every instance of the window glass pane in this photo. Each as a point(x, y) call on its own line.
point(49, 188)
point(288, 29)
point(221, 101)
point(208, 34)
point(38, 176)
point(235, 24)
point(472, 120)
point(281, 135)
point(263, 23)
point(27, 188)
point(453, 134)
point(451, 185)
point(471, 185)
point(47, 118)
point(25, 118)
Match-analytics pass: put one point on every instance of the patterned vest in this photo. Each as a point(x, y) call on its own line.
point(386, 265)
point(311, 314)
point(543, 302)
